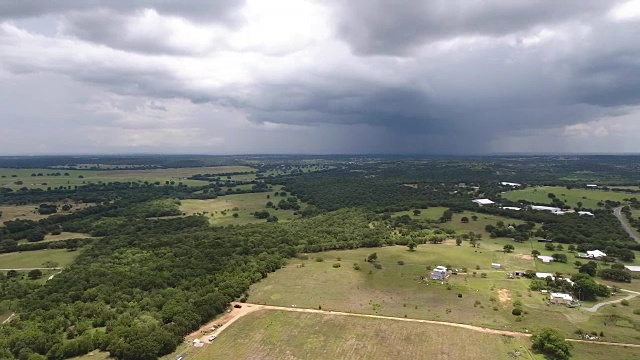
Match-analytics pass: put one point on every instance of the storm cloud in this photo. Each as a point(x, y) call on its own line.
point(319, 77)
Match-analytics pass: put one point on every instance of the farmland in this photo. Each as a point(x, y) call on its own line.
point(588, 198)
point(18, 178)
point(270, 334)
point(32, 259)
point(30, 212)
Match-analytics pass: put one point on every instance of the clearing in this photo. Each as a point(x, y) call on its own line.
point(220, 210)
point(30, 211)
point(36, 259)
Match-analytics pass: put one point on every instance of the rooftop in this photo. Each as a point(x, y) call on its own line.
point(483, 201)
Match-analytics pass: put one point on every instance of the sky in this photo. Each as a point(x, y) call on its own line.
point(319, 77)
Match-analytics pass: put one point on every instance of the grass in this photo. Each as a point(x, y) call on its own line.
point(32, 259)
point(270, 334)
point(397, 290)
point(588, 198)
point(246, 204)
point(7, 178)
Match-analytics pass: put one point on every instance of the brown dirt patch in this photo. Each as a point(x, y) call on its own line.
point(504, 295)
point(525, 256)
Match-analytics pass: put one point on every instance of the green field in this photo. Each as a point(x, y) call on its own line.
point(272, 334)
point(32, 259)
point(588, 198)
point(177, 175)
point(397, 290)
point(30, 212)
point(245, 205)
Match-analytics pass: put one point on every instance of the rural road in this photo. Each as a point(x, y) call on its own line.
point(9, 318)
point(618, 213)
point(29, 269)
point(595, 307)
point(249, 308)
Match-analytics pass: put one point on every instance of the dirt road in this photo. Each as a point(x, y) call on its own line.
point(595, 307)
point(618, 213)
point(247, 308)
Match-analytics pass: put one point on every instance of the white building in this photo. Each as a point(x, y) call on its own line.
point(560, 298)
point(588, 213)
point(592, 185)
point(439, 273)
point(595, 254)
point(504, 183)
point(483, 202)
point(545, 259)
point(495, 266)
point(512, 208)
point(632, 269)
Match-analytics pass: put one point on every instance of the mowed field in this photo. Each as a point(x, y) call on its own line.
point(245, 205)
point(34, 259)
point(588, 198)
point(272, 334)
point(8, 177)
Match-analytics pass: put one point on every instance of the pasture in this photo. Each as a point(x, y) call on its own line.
point(588, 198)
point(34, 259)
point(398, 290)
point(18, 178)
point(30, 212)
point(273, 334)
point(220, 210)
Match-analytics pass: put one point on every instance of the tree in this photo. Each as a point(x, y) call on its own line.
point(535, 253)
point(551, 343)
point(559, 247)
point(458, 241)
point(615, 274)
point(235, 215)
point(577, 264)
point(559, 258)
point(474, 217)
point(549, 246)
point(464, 219)
point(589, 268)
point(34, 274)
point(12, 274)
point(372, 257)
point(586, 288)
point(416, 212)
point(508, 248)
point(412, 245)
point(571, 248)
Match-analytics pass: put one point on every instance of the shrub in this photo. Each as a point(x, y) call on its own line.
point(356, 267)
point(400, 262)
point(336, 265)
point(319, 259)
point(636, 311)
point(483, 275)
point(516, 311)
point(625, 302)
point(377, 266)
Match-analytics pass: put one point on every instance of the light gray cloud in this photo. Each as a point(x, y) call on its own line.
point(290, 76)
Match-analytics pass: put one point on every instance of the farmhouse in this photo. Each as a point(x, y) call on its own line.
point(551, 209)
point(632, 269)
point(495, 266)
point(504, 183)
point(439, 273)
point(587, 213)
point(545, 259)
point(595, 254)
point(483, 202)
point(512, 208)
point(542, 275)
point(560, 298)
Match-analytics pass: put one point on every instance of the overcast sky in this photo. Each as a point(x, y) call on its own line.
point(331, 76)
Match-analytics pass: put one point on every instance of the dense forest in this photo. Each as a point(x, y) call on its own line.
point(150, 280)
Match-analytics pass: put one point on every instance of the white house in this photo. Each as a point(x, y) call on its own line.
point(545, 259)
point(495, 266)
point(542, 275)
point(595, 254)
point(504, 183)
point(632, 269)
point(588, 213)
point(439, 273)
point(560, 298)
point(592, 185)
point(483, 202)
point(512, 208)
point(545, 208)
